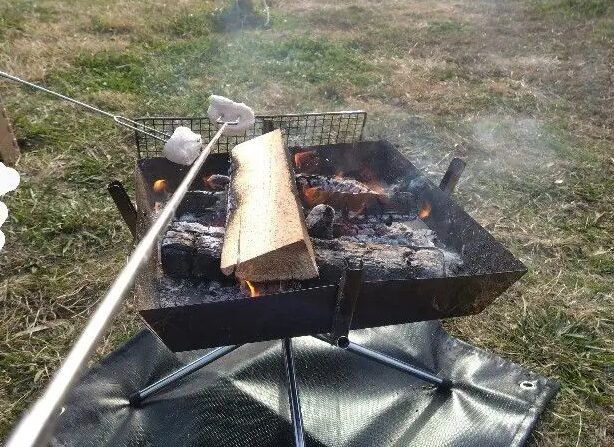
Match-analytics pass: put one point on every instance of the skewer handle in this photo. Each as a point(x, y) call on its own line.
point(120, 120)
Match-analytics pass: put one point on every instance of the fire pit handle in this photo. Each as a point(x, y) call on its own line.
point(452, 175)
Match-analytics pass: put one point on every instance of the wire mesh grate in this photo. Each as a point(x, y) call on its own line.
point(307, 129)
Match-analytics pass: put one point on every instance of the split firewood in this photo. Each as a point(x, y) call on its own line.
point(266, 238)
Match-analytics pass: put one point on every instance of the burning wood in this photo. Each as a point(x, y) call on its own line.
point(340, 193)
point(190, 249)
point(266, 238)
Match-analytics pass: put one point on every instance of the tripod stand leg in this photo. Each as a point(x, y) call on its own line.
point(391, 362)
point(295, 403)
point(138, 397)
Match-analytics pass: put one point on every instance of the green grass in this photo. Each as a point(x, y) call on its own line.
point(515, 88)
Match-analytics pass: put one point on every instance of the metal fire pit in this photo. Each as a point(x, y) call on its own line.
point(201, 321)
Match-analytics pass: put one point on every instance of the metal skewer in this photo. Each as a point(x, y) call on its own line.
point(35, 428)
point(119, 120)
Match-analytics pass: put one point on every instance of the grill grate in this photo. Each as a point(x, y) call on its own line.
point(307, 129)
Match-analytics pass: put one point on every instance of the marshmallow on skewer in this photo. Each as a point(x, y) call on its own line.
point(9, 179)
point(229, 111)
point(183, 147)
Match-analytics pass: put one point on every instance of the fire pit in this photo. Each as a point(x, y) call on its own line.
point(422, 256)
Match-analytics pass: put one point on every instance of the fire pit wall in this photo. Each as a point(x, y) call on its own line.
point(188, 317)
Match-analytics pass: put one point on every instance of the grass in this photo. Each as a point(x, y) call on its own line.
point(515, 88)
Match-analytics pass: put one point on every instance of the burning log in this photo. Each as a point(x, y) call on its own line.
point(190, 249)
point(386, 257)
point(320, 221)
point(198, 202)
point(176, 253)
point(340, 193)
point(266, 237)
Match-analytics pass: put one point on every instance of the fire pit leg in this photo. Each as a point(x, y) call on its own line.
point(137, 398)
point(347, 296)
point(295, 403)
point(391, 362)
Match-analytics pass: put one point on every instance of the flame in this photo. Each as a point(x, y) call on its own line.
point(253, 291)
point(159, 185)
point(369, 179)
point(425, 211)
point(307, 162)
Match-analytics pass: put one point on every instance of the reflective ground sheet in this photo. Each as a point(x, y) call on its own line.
point(241, 399)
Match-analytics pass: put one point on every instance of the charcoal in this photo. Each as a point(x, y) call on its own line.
point(218, 182)
point(320, 221)
point(190, 249)
point(198, 202)
point(333, 184)
point(196, 228)
point(176, 253)
point(394, 256)
point(207, 255)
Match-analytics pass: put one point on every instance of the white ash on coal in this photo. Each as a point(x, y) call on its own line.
point(201, 202)
point(320, 220)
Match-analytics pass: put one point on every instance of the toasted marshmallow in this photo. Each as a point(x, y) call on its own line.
point(183, 147)
point(229, 111)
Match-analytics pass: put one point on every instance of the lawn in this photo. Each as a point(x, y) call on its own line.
point(522, 90)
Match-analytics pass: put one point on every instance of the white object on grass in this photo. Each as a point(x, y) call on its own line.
point(4, 213)
point(9, 179)
point(229, 111)
point(183, 147)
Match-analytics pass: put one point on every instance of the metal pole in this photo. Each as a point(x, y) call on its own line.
point(35, 427)
point(138, 397)
point(121, 120)
point(391, 362)
point(295, 403)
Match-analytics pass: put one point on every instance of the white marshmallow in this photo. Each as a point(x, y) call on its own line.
point(4, 213)
point(228, 110)
point(9, 179)
point(183, 147)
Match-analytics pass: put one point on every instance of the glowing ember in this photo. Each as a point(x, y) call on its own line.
point(425, 211)
point(253, 292)
point(307, 162)
point(159, 186)
point(315, 196)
